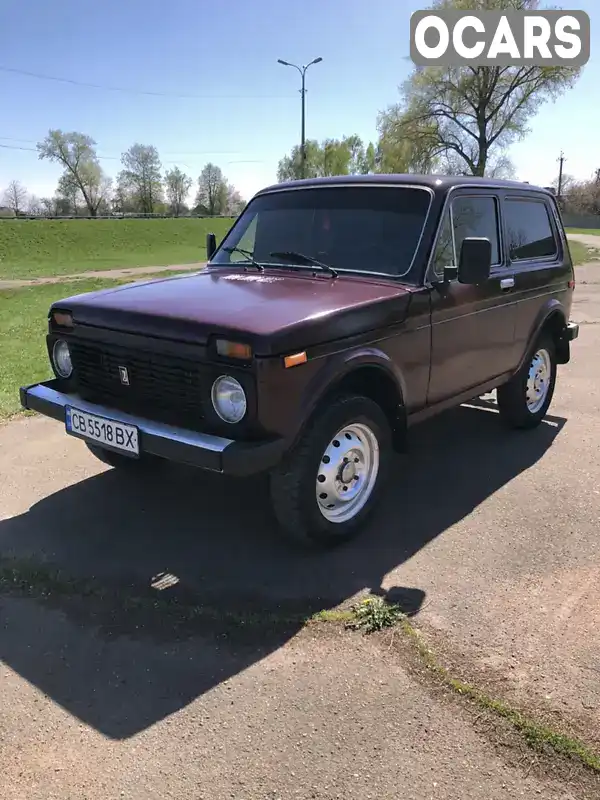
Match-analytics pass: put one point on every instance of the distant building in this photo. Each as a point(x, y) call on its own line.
point(5, 211)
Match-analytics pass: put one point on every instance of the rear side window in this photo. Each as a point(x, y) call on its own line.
point(471, 216)
point(529, 230)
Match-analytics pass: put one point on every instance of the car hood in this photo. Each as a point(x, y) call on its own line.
point(275, 311)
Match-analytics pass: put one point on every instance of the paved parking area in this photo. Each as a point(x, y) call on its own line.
point(494, 536)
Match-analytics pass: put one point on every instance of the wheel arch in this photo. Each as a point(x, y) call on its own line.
point(551, 318)
point(368, 372)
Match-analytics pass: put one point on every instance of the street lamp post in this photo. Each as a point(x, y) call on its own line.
point(302, 71)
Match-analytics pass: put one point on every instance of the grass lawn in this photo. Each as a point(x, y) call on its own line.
point(582, 254)
point(23, 326)
point(36, 248)
point(591, 231)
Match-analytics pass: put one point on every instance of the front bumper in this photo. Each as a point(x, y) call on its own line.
point(203, 450)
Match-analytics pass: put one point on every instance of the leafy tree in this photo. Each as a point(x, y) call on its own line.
point(68, 194)
point(141, 177)
point(213, 191)
point(73, 199)
point(177, 185)
point(346, 156)
point(76, 152)
point(235, 202)
point(468, 114)
point(15, 197)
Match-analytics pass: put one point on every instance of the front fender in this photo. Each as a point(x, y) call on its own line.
point(339, 367)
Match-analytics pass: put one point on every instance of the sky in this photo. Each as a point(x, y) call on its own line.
point(203, 84)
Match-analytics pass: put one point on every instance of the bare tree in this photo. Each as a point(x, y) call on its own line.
point(177, 185)
point(34, 206)
point(15, 197)
point(77, 154)
point(141, 177)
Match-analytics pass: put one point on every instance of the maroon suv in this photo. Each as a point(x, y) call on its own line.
point(335, 313)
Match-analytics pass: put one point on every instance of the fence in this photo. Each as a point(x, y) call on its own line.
point(13, 218)
point(581, 220)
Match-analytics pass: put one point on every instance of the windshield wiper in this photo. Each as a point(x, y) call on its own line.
point(299, 258)
point(248, 255)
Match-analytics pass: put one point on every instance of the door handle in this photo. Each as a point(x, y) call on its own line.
point(507, 283)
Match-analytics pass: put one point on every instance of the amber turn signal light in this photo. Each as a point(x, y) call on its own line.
point(63, 319)
point(297, 358)
point(233, 349)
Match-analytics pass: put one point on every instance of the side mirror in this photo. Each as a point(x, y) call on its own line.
point(475, 260)
point(211, 245)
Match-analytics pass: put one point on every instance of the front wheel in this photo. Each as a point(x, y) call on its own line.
point(328, 486)
point(523, 402)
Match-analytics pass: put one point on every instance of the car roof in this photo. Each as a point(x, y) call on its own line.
point(439, 183)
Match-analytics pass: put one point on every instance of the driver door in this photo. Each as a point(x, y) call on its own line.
point(472, 326)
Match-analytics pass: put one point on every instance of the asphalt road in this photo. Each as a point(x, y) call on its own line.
point(491, 536)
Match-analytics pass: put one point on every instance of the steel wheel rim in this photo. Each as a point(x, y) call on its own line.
point(538, 380)
point(347, 473)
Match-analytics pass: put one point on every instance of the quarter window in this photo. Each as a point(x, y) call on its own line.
point(528, 229)
point(471, 216)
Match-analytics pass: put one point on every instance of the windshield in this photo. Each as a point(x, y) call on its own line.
point(361, 229)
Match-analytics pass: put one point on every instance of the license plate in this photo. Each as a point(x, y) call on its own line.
point(107, 432)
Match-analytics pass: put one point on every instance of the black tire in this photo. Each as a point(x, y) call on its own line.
point(293, 483)
point(119, 461)
point(512, 396)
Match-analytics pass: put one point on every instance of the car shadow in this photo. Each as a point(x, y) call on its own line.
point(217, 541)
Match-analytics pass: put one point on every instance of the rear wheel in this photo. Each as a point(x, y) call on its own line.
point(328, 486)
point(119, 461)
point(523, 402)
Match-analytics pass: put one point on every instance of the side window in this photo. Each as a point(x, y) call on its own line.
point(476, 216)
point(471, 216)
point(444, 249)
point(528, 229)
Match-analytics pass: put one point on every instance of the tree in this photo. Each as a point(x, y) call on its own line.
point(580, 197)
point(48, 206)
point(471, 114)
point(15, 197)
point(76, 152)
point(346, 156)
point(213, 191)
point(235, 202)
point(177, 185)
point(398, 153)
point(34, 206)
point(141, 177)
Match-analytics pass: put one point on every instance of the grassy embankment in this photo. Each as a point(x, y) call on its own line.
point(23, 326)
point(590, 231)
point(36, 248)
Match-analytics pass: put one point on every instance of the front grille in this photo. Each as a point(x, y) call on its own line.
point(161, 387)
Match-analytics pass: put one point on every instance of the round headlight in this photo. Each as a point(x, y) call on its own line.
point(62, 358)
point(228, 399)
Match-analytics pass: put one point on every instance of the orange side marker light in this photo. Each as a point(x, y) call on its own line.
point(297, 358)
